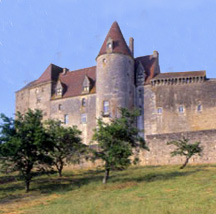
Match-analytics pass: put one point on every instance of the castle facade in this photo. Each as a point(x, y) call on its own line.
point(172, 105)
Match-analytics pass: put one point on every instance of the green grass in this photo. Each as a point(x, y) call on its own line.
point(150, 190)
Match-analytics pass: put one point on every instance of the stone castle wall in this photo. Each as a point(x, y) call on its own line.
point(22, 100)
point(73, 108)
point(159, 153)
point(169, 98)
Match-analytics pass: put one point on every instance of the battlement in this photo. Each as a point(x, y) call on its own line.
point(179, 78)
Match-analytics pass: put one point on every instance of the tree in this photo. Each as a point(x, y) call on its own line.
point(117, 141)
point(24, 144)
point(184, 148)
point(68, 146)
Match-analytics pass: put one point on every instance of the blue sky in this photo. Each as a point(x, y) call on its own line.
point(69, 33)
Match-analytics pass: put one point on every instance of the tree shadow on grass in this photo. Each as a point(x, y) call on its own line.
point(45, 186)
point(62, 184)
point(151, 177)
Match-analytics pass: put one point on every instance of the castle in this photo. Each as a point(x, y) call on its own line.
point(172, 105)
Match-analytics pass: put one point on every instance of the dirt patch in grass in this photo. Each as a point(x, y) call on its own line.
point(18, 205)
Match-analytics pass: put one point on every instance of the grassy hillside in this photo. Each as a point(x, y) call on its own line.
point(150, 190)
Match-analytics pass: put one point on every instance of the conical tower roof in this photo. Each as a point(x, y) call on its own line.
point(119, 44)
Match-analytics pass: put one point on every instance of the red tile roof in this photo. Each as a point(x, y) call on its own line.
point(73, 80)
point(119, 44)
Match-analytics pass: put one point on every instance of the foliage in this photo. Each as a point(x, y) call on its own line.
point(117, 141)
point(184, 148)
point(24, 144)
point(67, 144)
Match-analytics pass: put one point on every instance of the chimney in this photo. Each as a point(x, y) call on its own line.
point(65, 70)
point(131, 45)
point(155, 54)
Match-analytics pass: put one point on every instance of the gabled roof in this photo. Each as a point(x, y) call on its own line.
point(119, 44)
point(73, 80)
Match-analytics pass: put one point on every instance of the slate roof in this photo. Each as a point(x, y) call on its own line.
point(119, 44)
point(180, 74)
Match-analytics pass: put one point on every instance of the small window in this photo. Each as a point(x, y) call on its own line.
point(60, 107)
point(59, 91)
point(83, 118)
point(181, 109)
point(109, 45)
point(36, 91)
point(106, 107)
point(159, 110)
point(66, 119)
point(199, 108)
point(38, 100)
point(86, 89)
point(83, 102)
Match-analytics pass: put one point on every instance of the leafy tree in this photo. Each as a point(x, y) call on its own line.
point(67, 144)
point(24, 144)
point(117, 141)
point(184, 148)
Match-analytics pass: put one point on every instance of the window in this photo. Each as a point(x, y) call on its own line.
point(60, 107)
point(66, 119)
point(109, 45)
point(83, 118)
point(159, 110)
point(181, 109)
point(86, 89)
point(38, 100)
point(199, 108)
point(83, 102)
point(106, 107)
point(59, 91)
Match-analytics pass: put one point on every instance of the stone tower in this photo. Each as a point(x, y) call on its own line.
point(114, 74)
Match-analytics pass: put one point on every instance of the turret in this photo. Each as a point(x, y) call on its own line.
point(115, 75)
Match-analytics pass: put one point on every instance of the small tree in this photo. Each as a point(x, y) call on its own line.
point(184, 148)
point(67, 144)
point(24, 144)
point(117, 141)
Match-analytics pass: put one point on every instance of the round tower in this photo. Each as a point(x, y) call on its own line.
point(114, 75)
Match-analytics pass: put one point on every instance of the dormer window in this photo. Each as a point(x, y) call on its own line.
point(85, 88)
point(86, 85)
point(109, 45)
point(59, 91)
